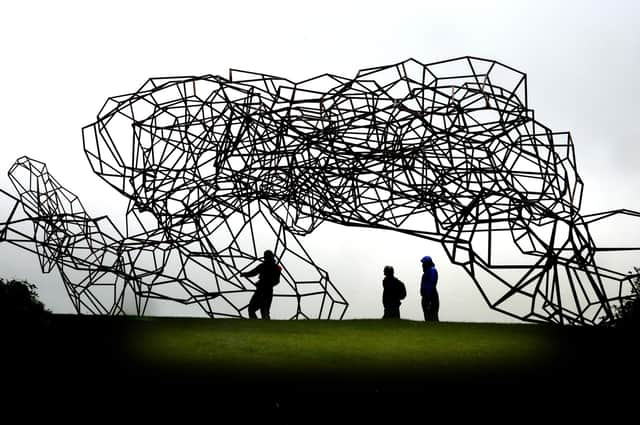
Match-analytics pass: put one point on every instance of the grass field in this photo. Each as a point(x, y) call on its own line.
point(308, 350)
point(362, 348)
point(243, 359)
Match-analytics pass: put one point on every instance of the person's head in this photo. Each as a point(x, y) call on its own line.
point(269, 257)
point(388, 271)
point(427, 262)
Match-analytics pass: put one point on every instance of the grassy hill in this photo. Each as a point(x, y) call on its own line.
point(360, 349)
point(149, 357)
point(363, 349)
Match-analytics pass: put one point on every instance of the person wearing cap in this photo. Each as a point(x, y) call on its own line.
point(428, 291)
point(268, 276)
point(393, 292)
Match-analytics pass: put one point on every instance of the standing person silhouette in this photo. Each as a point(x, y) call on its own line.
point(428, 291)
point(268, 276)
point(392, 294)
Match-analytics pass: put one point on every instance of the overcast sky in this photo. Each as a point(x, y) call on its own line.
point(61, 61)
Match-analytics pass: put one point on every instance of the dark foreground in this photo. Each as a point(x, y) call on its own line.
point(189, 366)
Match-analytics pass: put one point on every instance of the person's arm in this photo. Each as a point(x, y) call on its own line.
point(253, 272)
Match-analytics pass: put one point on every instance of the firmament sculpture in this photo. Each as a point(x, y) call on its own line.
point(216, 169)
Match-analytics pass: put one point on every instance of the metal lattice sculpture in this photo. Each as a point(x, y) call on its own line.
point(215, 169)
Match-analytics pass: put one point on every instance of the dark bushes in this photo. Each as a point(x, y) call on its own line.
point(628, 314)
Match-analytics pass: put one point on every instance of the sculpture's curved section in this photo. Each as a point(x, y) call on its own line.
point(448, 151)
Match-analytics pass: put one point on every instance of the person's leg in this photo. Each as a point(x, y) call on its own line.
point(436, 307)
point(387, 312)
point(395, 312)
point(266, 306)
point(254, 305)
point(425, 308)
point(429, 304)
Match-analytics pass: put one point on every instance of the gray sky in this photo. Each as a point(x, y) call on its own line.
point(61, 60)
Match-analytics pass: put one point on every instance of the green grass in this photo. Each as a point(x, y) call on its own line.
point(330, 348)
point(353, 354)
point(151, 363)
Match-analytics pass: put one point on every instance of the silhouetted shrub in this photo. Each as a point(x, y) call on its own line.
point(19, 304)
point(628, 314)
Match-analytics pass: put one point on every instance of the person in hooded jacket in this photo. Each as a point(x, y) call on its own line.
point(428, 291)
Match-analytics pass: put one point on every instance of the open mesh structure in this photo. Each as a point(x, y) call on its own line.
point(217, 169)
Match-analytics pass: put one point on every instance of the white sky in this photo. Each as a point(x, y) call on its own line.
point(62, 60)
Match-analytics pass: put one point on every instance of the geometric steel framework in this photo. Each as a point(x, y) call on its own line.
point(218, 169)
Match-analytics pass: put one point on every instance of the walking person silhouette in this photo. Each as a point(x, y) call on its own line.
point(428, 291)
point(393, 293)
point(268, 276)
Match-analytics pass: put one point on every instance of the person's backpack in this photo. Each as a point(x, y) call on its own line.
point(278, 270)
point(402, 291)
